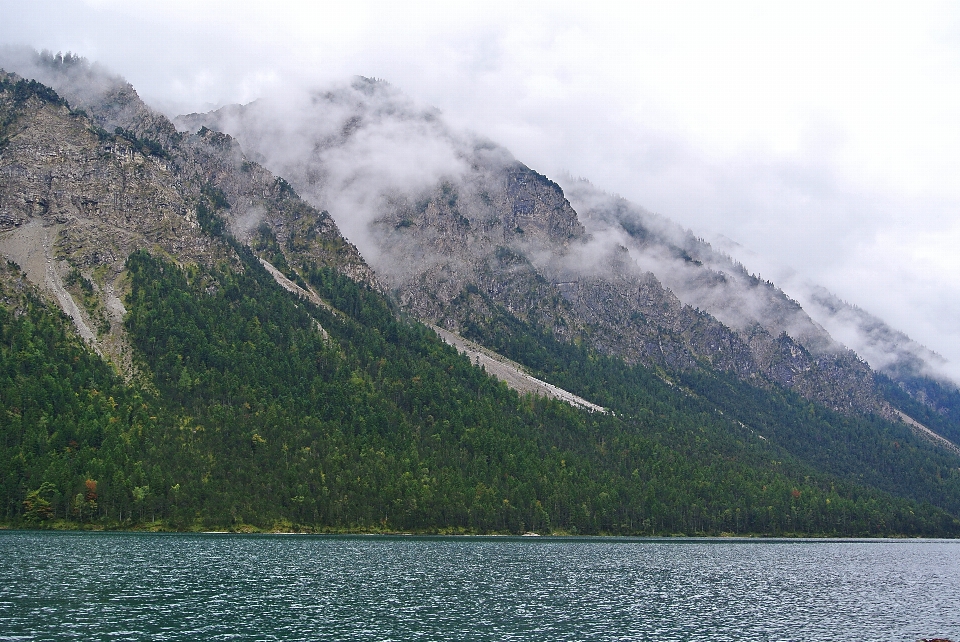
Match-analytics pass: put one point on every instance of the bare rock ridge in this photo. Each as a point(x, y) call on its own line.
point(76, 200)
point(474, 231)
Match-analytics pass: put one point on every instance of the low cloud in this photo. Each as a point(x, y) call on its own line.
point(75, 78)
point(348, 148)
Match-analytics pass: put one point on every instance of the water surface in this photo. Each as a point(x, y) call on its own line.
point(126, 586)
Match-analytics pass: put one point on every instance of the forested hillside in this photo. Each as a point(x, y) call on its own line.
point(153, 374)
point(864, 449)
point(257, 418)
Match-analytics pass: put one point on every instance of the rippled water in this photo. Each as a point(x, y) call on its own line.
point(124, 586)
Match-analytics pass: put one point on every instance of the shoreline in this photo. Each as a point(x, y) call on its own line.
point(246, 529)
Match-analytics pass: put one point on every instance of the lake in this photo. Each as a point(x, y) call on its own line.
point(138, 586)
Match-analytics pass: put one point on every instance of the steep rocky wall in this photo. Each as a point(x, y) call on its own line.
point(76, 201)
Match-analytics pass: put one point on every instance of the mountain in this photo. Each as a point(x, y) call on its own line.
point(188, 343)
point(79, 199)
point(475, 229)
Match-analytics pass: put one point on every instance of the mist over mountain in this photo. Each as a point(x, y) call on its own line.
point(349, 149)
point(100, 194)
point(382, 166)
point(835, 161)
point(808, 312)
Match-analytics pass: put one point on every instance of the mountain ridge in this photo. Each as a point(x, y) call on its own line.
point(445, 236)
point(248, 404)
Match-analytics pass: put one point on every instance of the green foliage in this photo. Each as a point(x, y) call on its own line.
point(23, 90)
point(210, 222)
point(212, 201)
point(285, 189)
point(216, 197)
point(61, 61)
point(261, 418)
point(265, 243)
point(861, 450)
point(145, 146)
point(83, 289)
point(216, 139)
point(101, 133)
point(14, 94)
point(380, 425)
point(65, 418)
point(39, 504)
point(75, 278)
point(941, 412)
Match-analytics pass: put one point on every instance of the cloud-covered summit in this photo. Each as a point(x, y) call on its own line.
point(380, 163)
point(347, 147)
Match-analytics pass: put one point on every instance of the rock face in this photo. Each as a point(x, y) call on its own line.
point(76, 200)
point(481, 231)
point(729, 318)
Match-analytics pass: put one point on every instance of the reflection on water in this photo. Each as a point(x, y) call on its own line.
point(124, 586)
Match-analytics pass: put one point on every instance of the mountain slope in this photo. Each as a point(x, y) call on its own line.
point(78, 200)
point(245, 404)
point(260, 420)
point(713, 281)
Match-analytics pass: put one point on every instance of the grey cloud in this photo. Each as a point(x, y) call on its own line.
point(348, 148)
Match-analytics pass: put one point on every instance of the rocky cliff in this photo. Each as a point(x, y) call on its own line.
point(76, 199)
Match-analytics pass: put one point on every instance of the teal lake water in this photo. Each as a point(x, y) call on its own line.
point(126, 586)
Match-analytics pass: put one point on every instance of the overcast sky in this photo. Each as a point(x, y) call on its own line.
point(823, 137)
